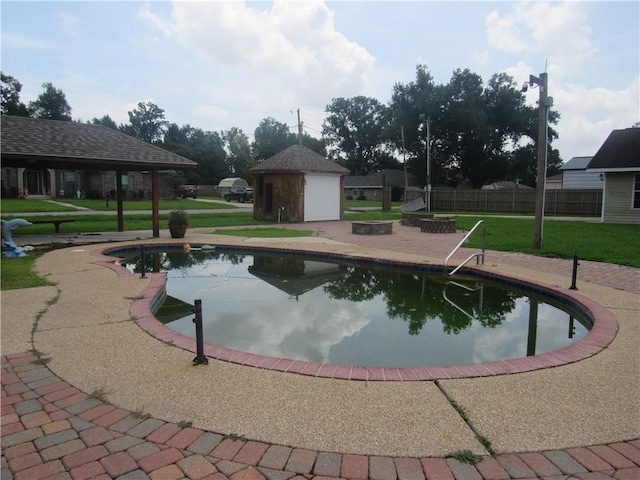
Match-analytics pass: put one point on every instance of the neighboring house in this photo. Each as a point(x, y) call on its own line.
point(369, 187)
point(618, 161)
point(76, 160)
point(553, 182)
point(298, 185)
point(226, 184)
point(576, 176)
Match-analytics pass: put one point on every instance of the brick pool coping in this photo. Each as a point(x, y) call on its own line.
point(602, 333)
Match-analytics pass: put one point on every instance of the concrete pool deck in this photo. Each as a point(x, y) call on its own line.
point(251, 423)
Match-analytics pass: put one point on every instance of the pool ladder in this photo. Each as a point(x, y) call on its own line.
point(478, 256)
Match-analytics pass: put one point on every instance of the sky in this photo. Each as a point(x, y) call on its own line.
point(220, 64)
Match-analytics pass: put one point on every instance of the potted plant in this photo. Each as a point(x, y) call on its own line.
point(178, 223)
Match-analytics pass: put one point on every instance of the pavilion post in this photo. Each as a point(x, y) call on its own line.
point(119, 200)
point(155, 201)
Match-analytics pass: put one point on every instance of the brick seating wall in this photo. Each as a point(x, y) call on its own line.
point(371, 228)
point(438, 225)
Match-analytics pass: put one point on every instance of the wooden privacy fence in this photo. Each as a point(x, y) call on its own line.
point(557, 202)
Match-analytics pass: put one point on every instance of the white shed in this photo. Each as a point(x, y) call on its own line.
point(225, 185)
point(298, 185)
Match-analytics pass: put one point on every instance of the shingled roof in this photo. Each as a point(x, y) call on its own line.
point(70, 145)
point(298, 158)
point(619, 152)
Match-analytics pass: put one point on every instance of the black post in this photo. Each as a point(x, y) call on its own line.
point(574, 276)
point(143, 262)
point(572, 329)
point(200, 358)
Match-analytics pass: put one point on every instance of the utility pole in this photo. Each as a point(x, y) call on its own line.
point(427, 193)
point(428, 154)
point(544, 103)
point(404, 163)
point(299, 128)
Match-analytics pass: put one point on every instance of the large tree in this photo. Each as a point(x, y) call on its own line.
point(204, 148)
point(11, 104)
point(239, 157)
point(354, 133)
point(51, 104)
point(478, 133)
point(271, 137)
point(146, 122)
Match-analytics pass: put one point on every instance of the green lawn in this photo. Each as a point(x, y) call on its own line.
point(18, 272)
point(10, 206)
point(601, 242)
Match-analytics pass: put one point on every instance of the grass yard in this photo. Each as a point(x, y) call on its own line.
point(600, 242)
point(9, 206)
point(18, 272)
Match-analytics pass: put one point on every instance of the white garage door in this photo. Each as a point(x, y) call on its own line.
point(322, 198)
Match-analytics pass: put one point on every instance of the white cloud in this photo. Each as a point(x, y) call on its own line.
point(295, 44)
point(557, 30)
point(589, 114)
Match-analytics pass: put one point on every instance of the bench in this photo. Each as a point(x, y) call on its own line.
point(56, 222)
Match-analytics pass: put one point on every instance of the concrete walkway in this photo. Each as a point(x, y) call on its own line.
point(103, 399)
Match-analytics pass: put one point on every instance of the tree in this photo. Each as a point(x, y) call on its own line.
point(315, 144)
point(271, 137)
point(106, 121)
point(51, 104)
point(411, 106)
point(476, 131)
point(354, 133)
point(239, 157)
point(11, 104)
point(204, 148)
point(146, 122)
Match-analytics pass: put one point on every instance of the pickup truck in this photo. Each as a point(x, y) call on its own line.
point(241, 194)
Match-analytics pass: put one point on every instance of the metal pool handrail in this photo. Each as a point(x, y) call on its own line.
point(462, 242)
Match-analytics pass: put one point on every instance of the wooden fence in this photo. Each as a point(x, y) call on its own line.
point(557, 202)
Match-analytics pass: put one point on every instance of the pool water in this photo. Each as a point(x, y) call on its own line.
point(341, 312)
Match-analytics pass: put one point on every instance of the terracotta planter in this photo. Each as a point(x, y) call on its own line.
point(177, 231)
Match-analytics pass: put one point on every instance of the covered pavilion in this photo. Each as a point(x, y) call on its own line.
point(39, 143)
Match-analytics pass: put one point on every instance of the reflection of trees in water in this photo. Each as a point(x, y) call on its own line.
point(411, 297)
point(180, 260)
point(418, 298)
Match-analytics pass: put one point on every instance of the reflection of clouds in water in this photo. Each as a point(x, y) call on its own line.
point(509, 340)
point(505, 340)
point(283, 327)
point(498, 344)
point(244, 312)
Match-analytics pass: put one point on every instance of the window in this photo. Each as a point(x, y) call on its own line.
point(636, 191)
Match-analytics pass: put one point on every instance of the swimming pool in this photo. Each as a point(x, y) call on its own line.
point(335, 310)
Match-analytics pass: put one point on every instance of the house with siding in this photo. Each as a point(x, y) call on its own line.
point(576, 176)
point(618, 161)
